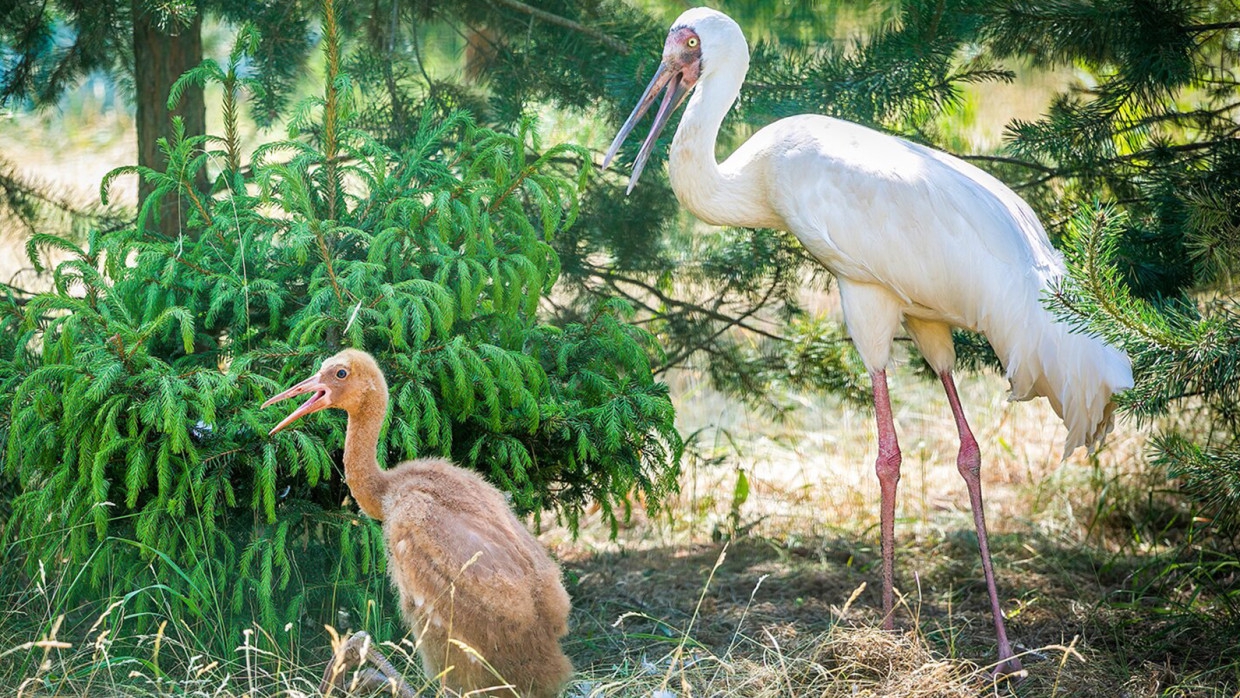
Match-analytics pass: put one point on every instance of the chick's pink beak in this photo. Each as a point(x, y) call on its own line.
point(321, 399)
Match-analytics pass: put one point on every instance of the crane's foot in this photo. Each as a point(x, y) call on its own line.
point(1009, 670)
point(346, 672)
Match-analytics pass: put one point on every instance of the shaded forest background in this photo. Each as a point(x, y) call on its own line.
point(408, 196)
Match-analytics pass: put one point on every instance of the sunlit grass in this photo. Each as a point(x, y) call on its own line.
point(777, 595)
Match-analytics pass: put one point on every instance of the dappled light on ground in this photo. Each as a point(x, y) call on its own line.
point(791, 608)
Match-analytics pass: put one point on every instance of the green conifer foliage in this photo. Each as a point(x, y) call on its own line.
point(1154, 131)
point(1186, 358)
point(1155, 136)
point(131, 391)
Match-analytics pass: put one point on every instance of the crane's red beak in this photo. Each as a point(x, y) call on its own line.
point(321, 400)
point(671, 79)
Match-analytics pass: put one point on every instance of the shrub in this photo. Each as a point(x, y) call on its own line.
point(133, 388)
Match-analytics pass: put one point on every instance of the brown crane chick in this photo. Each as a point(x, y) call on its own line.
point(468, 572)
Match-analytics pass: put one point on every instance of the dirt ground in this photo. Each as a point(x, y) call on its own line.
point(790, 607)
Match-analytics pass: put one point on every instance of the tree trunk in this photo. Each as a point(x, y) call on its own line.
point(161, 55)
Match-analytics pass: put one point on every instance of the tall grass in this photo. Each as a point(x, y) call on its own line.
point(1110, 586)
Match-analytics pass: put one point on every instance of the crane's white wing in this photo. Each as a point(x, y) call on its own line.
point(945, 242)
point(934, 230)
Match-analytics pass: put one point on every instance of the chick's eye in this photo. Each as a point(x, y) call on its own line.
point(341, 373)
point(692, 42)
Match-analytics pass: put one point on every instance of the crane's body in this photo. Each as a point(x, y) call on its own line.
point(483, 597)
point(471, 572)
point(914, 236)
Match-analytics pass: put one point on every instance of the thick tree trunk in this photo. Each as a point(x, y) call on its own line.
point(161, 55)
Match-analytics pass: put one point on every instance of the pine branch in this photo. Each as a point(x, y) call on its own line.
point(1029, 164)
point(738, 321)
point(1216, 26)
point(689, 306)
point(331, 107)
point(550, 18)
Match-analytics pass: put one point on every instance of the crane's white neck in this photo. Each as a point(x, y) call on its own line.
point(717, 195)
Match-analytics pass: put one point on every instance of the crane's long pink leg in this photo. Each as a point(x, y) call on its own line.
point(969, 463)
point(888, 468)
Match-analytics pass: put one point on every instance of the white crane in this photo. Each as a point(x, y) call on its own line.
point(912, 235)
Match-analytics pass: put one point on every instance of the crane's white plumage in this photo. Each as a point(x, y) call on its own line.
point(914, 236)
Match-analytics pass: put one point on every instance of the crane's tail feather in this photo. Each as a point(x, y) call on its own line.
point(1077, 372)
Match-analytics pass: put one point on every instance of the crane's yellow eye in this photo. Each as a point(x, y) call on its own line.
point(692, 42)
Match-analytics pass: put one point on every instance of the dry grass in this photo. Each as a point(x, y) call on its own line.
point(792, 608)
point(788, 606)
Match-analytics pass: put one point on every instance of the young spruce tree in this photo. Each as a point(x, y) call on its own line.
point(131, 390)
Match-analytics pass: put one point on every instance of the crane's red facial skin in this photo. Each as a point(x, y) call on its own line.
point(328, 382)
point(677, 74)
point(683, 48)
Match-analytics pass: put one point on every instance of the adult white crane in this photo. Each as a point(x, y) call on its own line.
point(912, 235)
